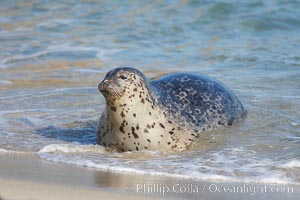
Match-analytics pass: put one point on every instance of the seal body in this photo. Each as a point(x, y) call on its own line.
point(165, 114)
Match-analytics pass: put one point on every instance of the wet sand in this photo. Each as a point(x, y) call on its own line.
point(28, 177)
point(25, 176)
point(16, 189)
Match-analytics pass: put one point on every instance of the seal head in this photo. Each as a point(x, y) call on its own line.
point(117, 83)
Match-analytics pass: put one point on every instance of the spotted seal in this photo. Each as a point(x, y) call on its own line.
point(165, 114)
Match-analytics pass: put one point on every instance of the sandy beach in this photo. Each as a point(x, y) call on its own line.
point(26, 176)
point(16, 189)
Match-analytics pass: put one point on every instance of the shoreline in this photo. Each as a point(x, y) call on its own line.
point(26, 176)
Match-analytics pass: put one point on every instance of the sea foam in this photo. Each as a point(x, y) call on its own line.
point(256, 171)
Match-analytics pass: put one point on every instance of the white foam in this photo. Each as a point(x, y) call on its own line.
point(292, 164)
point(72, 148)
point(256, 171)
point(192, 176)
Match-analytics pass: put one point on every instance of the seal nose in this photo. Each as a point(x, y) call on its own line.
point(103, 87)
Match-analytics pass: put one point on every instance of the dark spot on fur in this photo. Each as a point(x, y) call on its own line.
point(134, 115)
point(122, 114)
point(149, 113)
point(153, 125)
point(161, 125)
point(113, 108)
point(122, 129)
point(148, 140)
point(135, 135)
point(137, 148)
point(135, 89)
point(148, 126)
point(171, 132)
point(146, 131)
point(169, 143)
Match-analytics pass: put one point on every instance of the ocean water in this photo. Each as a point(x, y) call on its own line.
point(54, 53)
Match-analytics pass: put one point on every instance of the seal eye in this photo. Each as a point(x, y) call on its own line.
point(123, 77)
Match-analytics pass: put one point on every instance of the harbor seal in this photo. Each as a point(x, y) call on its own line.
point(164, 114)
